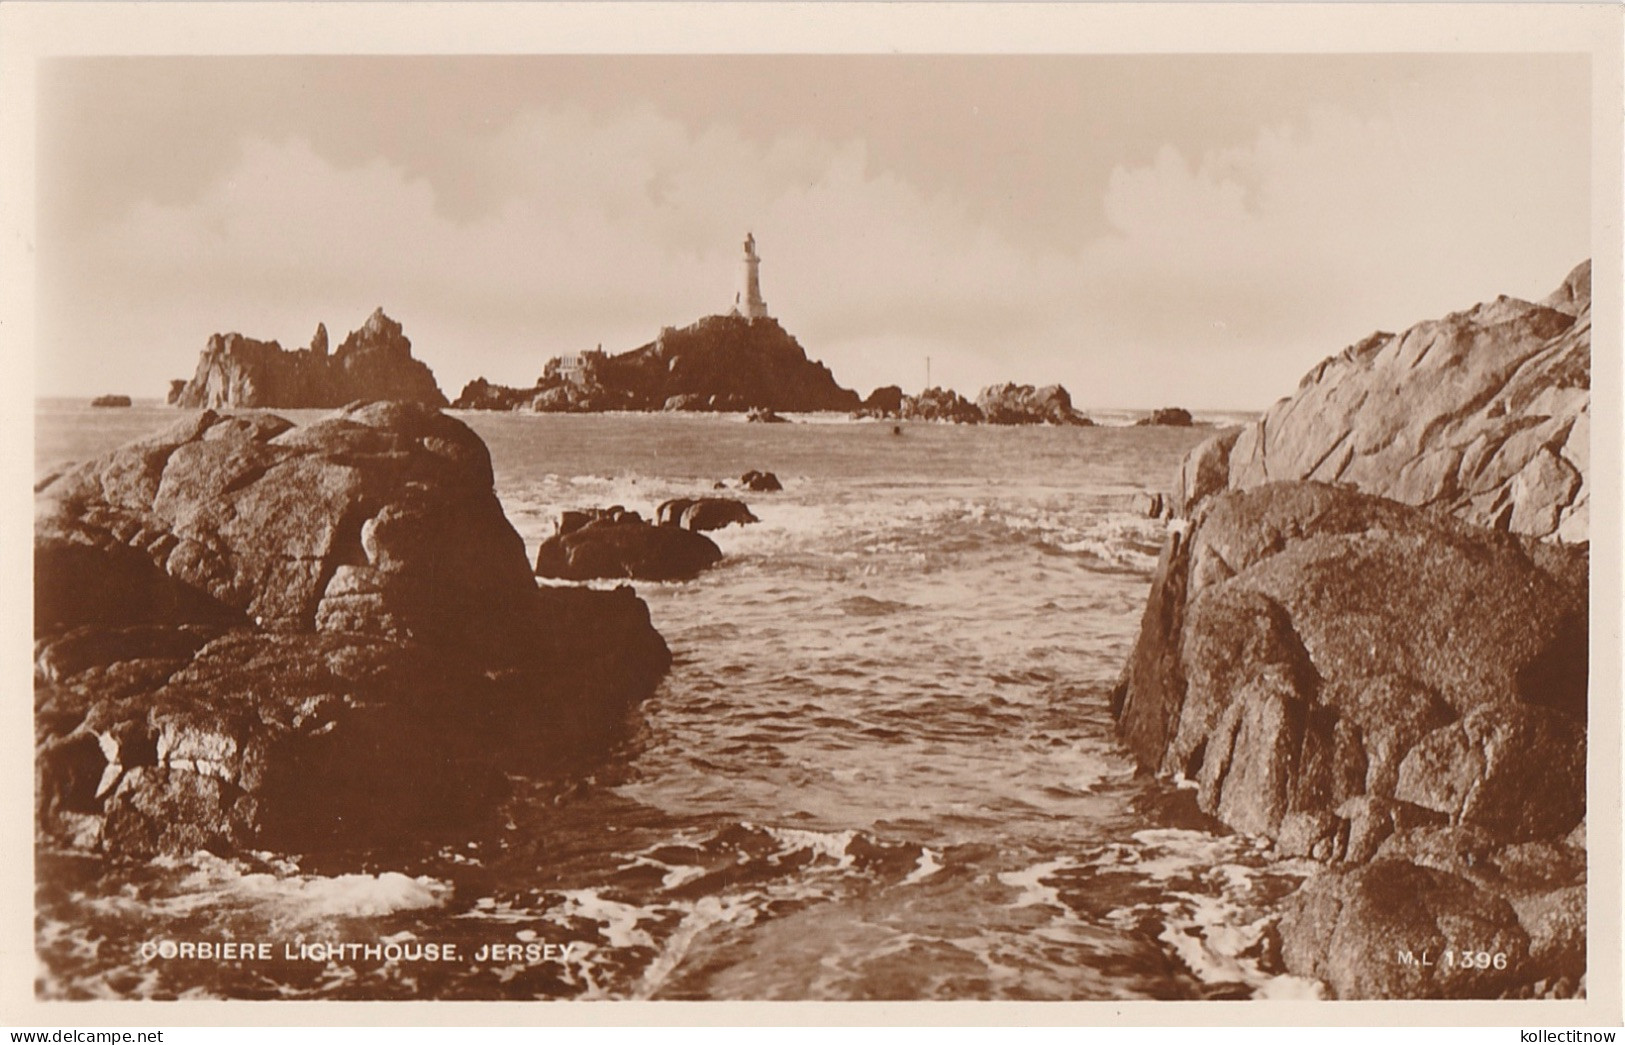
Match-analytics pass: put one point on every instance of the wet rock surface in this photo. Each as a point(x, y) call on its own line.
point(597, 544)
point(256, 635)
point(704, 513)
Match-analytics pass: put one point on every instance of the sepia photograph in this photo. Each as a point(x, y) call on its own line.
point(752, 523)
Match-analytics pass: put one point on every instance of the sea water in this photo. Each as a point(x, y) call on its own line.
point(882, 765)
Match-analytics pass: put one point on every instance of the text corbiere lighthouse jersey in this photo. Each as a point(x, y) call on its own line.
point(748, 302)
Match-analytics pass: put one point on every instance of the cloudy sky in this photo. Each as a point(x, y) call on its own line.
point(1147, 230)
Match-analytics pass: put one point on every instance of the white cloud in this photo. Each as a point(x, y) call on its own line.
point(1223, 278)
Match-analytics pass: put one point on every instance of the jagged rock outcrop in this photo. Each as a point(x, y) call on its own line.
point(177, 388)
point(1011, 404)
point(1485, 413)
point(1394, 685)
point(611, 542)
point(374, 362)
point(940, 404)
point(256, 635)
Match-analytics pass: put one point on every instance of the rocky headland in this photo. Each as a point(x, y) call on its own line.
point(725, 363)
point(1366, 640)
point(374, 362)
point(252, 635)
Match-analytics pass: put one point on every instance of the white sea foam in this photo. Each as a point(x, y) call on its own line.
point(618, 922)
point(1029, 883)
point(825, 843)
point(345, 895)
point(926, 866)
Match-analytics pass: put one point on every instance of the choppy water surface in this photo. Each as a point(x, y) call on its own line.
point(882, 765)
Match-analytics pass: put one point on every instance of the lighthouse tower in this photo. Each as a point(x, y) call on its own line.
point(748, 302)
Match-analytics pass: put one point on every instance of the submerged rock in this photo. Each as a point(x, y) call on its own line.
point(294, 638)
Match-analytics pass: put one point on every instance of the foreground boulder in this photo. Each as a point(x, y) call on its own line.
point(1339, 672)
point(255, 635)
point(609, 543)
point(1011, 404)
point(1364, 626)
point(1484, 413)
point(374, 362)
point(1395, 685)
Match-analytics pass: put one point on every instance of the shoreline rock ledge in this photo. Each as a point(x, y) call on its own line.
point(252, 635)
point(1366, 640)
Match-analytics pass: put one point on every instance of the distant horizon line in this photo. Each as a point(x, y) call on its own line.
point(158, 400)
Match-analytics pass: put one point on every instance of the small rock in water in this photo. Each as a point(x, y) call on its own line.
point(612, 542)
point(703, 513)
point(1172, 416)
point(760, 482)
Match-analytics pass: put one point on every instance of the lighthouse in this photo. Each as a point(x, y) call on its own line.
point(748, 302)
